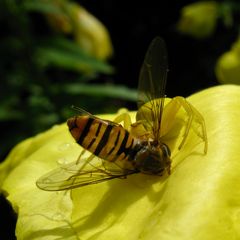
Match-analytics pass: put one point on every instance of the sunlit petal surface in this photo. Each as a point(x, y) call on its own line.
point(199, 200)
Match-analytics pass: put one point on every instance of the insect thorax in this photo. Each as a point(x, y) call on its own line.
point(152, 158)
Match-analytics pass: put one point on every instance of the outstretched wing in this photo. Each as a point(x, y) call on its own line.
point(151, 87)
point(80, 173)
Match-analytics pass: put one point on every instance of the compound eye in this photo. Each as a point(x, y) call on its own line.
point(166, 150)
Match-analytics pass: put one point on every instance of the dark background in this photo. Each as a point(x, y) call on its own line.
point(132, 25)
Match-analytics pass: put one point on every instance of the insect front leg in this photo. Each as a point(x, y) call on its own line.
point(136, 129)
point(125, 118)
point(193, 116)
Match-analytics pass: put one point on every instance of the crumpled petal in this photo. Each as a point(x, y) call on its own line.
point(199, 200)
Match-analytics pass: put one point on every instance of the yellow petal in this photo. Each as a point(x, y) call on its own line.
point(199, 200)
point(90, 33)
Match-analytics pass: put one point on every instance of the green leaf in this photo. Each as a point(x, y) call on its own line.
point(101, 90)
point(7, 114)
point(45, 7)
point(67, 54)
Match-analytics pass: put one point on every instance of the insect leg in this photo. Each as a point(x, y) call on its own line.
point(85, 161)
point(125, 118)
point(80, 155)
point(170, 112)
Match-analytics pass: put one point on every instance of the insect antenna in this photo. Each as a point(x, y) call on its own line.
point(80, 110)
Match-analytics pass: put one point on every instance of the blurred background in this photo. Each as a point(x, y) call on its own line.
point(58, 53)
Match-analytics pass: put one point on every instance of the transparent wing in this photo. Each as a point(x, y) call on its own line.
point(78, 174)
point(151, 87)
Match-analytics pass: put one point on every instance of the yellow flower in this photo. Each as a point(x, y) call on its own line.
point(228, 65)
point(199, 200)
point(90, 33)
point(87, 30)
point(58, 19)
point(198, 19)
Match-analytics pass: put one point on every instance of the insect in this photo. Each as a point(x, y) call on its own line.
point(117, 151)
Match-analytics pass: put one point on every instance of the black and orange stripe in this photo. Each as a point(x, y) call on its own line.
point(104, 139)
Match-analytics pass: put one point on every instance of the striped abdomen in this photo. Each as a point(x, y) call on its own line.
point(104, 139)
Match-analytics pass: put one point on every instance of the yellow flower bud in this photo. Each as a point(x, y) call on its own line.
point(228, 65)
point(59, 19)
point(59, 22)
point(90, 33)
point(198, 19)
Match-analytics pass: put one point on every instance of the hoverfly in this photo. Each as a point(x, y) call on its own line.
point(134, 148)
